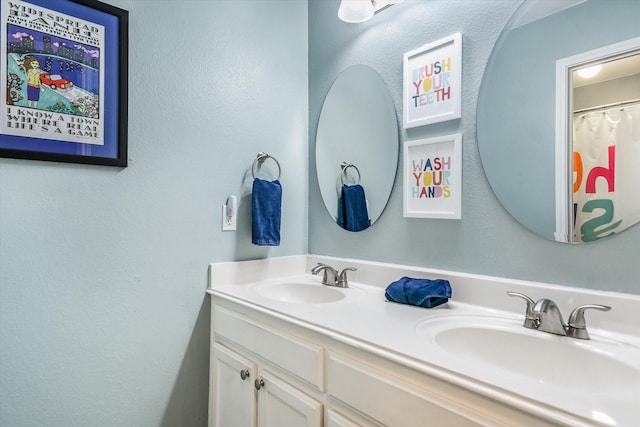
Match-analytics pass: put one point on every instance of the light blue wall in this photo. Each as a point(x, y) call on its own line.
point(103, 315)
point(487, 240)
point(103, 319)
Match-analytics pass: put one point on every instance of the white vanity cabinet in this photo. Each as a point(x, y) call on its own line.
point(308, 376)
point(346, 357)
point(336, 419)
point(258, 375)
point(246, 395)
point(234, 401)
point(282, 404)
point(390, 400)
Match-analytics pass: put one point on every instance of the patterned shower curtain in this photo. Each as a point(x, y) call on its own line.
point(606, 171)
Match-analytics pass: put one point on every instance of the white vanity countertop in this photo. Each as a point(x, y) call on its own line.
point(365, 319)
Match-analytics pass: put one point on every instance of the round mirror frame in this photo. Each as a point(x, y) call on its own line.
point(357, 140)
point(516, 119)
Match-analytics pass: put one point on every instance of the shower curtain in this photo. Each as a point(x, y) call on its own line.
point(606, 171)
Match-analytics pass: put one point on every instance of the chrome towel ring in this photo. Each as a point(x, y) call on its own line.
point(343, 167)
point(262, 156)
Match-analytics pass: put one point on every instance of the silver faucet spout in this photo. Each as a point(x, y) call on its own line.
point(318, 268)
point(545, 316)
point(549, 317)
point(330, 276)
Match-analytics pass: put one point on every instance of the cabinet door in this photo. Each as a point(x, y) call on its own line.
point(280, 404)
point(392, 401)
point(335, 419)
point(234, 398)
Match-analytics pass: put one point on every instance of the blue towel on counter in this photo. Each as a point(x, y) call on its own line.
point(421, 292)
point(352, 208)
point(266, 209)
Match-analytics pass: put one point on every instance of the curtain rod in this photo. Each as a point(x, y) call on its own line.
point(613, 104)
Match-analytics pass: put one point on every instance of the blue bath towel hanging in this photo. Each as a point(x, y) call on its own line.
point(266, 210)
point(352, 208)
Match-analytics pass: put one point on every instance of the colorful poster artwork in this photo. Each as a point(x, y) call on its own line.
point(53, 75)
point(432, 82)
point(433, 178)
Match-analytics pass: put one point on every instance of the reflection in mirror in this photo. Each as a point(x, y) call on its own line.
point(606, 150)
point(357, 148)
point(352, 203)
point(600, 196)
point(519, 112)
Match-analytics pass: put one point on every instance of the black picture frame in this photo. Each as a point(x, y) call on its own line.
point(50, 117)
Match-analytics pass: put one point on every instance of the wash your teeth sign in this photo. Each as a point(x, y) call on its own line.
point(432, 82)
point(432, 178)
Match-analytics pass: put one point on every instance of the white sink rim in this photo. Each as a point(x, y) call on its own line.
point(299, 292)
point(550, 359)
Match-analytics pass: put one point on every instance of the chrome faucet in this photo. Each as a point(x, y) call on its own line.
point(331, 277)
point(549, 317)
point(330, 274)
point(545, 316)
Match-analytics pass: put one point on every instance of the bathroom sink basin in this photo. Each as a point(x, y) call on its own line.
point(300, 293)
point(503, 344)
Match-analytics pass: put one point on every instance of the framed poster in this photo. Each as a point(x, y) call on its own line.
point(433, 177)
point(64, 65)
point(432, 84)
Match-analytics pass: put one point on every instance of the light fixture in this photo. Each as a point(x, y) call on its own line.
point(587, 73)
point(356, 11)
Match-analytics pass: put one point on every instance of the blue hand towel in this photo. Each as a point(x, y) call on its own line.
point(266, 208)
point(352, 208)
point(421, 292)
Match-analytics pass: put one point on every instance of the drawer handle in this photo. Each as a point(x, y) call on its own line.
point(259, 383)
point(244, 374)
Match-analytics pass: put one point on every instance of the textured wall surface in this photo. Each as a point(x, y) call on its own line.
point(103, 316)
point(487, 240)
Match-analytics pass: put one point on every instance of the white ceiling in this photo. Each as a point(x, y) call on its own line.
point(611, 70)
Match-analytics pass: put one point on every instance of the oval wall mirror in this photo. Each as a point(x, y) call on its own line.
point(357, 148)
point(518, 111)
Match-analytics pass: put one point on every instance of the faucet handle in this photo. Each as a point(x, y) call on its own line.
point(577, 325)
point(342, 280)
point(531, 321)
point(326, 270)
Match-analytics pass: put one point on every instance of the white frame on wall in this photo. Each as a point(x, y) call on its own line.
point(440, 195)
point(425, 99)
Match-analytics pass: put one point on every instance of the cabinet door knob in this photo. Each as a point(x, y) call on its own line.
point(244, 374)
point(259, 383)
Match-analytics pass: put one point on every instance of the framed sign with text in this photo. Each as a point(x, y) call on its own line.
point(65, 68)
point(432, 85)
point(433, 177)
